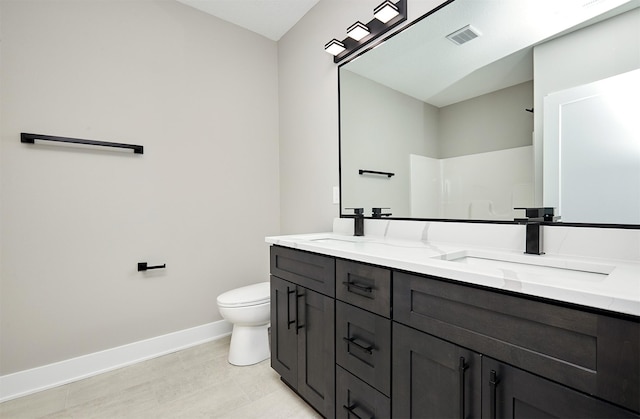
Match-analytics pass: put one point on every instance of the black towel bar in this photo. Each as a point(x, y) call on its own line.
point(375, 172)
point(31, 139)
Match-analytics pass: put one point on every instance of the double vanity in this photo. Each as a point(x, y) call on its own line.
point(398, 324)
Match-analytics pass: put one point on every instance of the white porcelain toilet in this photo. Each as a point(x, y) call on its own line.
point(248, 309)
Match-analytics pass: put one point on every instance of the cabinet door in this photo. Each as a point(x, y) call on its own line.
point(510, 392)
point(284, 342)
point(316, 350)
point(433, 378)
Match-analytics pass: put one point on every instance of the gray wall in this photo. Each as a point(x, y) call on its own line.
point(491, 122)
point(201, 96)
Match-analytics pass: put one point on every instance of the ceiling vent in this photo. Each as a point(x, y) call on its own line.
point(590, 3)
point(463, 35)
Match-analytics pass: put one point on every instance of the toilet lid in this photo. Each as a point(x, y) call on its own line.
point(246, 296)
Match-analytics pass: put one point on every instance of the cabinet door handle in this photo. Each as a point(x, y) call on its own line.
point(298, 326)
point(355, 285)
point(493, 383)
point(351, 409)
point(289, 321)
point(461, 369)
point(367, 349)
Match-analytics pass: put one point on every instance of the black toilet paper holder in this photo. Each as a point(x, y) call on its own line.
point(143, 266)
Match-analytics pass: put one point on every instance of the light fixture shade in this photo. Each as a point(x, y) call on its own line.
point(357, 31)
point(334, 47)
point(386, 11)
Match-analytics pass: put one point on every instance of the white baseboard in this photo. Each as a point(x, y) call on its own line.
point(37, 379)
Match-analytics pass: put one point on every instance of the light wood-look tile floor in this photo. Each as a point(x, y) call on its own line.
point(193, 383)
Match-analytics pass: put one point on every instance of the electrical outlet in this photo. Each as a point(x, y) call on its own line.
point(336, 194)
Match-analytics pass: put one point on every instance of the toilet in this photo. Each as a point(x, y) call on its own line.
point(248, 309)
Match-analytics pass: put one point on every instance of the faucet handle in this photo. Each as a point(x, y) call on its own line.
point(549, 214)
point(377, 212)
point(532, 212)
point(357, 211)
point(537, 214)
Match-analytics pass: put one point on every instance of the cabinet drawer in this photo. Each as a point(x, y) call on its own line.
point(309, 270)
point(363, 345)
point(356, 399)
point(590, 352)
point(365, 286)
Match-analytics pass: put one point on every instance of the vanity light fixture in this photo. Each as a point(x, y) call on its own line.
point(386, 16)
point(358, 31)
point(386, 11)
point(334, 47)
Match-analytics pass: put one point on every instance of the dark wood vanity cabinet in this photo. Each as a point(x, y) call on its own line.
point(357, 340)
point(543, 348)
point(302, 325)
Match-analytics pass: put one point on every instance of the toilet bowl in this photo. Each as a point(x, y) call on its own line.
point(248, 309)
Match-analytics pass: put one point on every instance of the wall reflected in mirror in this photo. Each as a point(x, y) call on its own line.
point(454, 123)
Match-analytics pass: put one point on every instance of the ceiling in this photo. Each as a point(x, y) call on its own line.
point(422, 63)
point(269, 18)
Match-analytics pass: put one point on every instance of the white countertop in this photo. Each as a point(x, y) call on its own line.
point(607, 284)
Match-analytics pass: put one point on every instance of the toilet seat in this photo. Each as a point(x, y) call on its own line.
point(250, 295)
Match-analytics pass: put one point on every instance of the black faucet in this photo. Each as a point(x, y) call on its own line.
point(377, 212)
point(533, 220)
point(358, 221)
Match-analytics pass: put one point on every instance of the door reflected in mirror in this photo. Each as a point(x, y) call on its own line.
point(586, 181)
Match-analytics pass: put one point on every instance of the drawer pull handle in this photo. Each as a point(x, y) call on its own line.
point(367, 349)
point(462, 368)
point(493, 383)
point(357, 286)
point(351, 409)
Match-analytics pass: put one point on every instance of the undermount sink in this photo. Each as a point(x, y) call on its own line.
point(539, 269)
point(522, 266)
